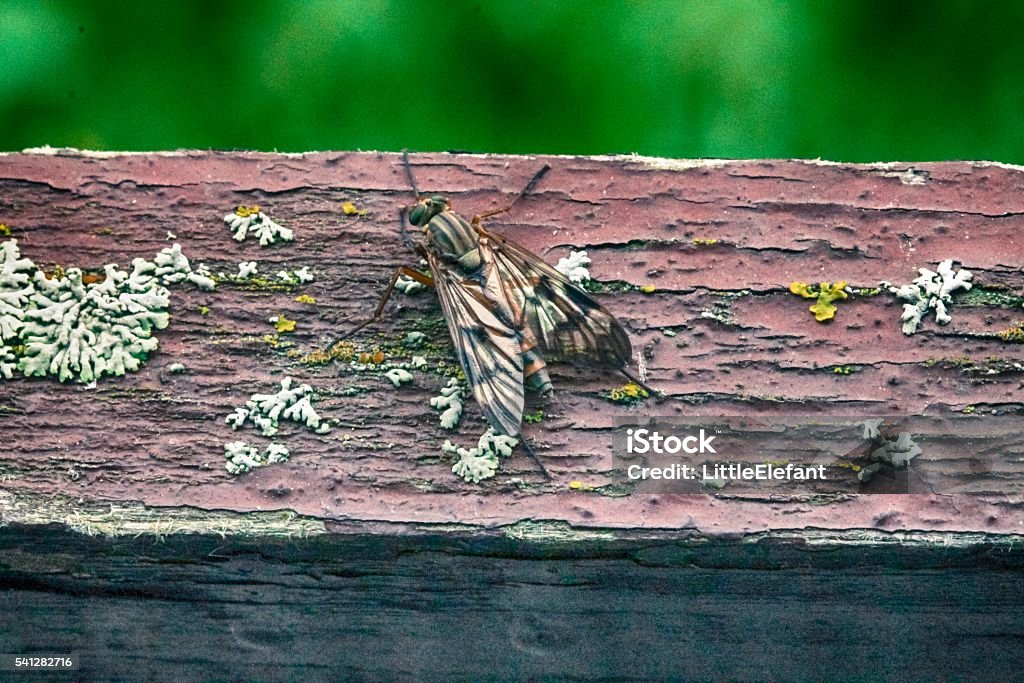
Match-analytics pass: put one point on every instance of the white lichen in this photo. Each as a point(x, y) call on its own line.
point(414, 339)
point(290, 403)
point(15, 291)
point(242, 458)
point(70, 325)
point(237, 418)
point(931, 290)
point(245, 269)
point(172, 267)
point(296, 277)
point(450, 402)
point(867, 471)
point(407, 285)
point(871, 428)
point(277, 452)
point(897, 453)
point(176, 368)
point(90, 330)
point(398, 376)
point(419, 362)
point(480, 462)
point(302, 412)
point(574, 267)
point(245, 222)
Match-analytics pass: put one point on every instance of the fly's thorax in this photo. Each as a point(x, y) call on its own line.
point(454, 240)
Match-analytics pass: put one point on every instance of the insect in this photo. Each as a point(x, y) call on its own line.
point(507, 310)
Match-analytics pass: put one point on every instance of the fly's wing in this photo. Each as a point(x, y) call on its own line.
point(487, 344)
point(566, 322)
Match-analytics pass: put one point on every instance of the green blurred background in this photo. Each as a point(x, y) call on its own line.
point(850, 80)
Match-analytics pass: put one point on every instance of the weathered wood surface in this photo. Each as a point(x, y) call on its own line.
point(459, 606)
point(743, 344)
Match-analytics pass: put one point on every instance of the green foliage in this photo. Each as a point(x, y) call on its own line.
point(853, 80)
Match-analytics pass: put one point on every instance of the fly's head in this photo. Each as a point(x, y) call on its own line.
point(426, 208)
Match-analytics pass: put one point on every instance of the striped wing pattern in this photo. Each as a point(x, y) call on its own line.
point(565, 321)
point(487, 344)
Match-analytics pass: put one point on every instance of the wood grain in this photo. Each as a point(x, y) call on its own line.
point(743, 345)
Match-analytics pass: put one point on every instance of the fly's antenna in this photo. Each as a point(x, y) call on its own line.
point(408, 174)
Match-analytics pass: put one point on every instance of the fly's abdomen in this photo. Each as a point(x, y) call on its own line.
point(535, 374)
point(454, 240)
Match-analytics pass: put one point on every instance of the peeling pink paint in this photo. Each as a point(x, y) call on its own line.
point(157, 437)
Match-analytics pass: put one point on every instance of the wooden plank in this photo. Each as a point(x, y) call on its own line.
point(743, 344)
point(466, 605)
point(364, 557)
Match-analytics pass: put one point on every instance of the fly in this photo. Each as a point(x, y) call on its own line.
point(508, 311)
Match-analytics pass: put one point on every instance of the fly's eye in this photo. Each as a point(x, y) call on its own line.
point(417, 213)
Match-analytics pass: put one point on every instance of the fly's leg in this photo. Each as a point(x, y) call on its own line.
point(529, 451)
point(526, 190)
point(405, 233)
point(419, 277)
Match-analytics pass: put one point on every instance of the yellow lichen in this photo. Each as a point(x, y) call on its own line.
point(246, 211)
point(4, 230)
point(316, 357)
point(628, 393)
point(1014, 334)
point(705, 242)
point(580, 486)
point(343, 351)
point(350, 209)
point(284, 324)
point(376, 357)
point(305, 299)
point(801, 289)
point(648, 289)
point(827, 292)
